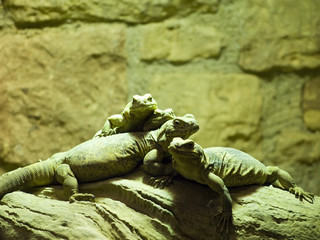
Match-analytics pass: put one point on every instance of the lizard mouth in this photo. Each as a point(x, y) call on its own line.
point(182, 147)
point(185, 132)
point(184, 153)
point(152, 106)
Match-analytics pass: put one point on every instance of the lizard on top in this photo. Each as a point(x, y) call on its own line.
point(140, 111)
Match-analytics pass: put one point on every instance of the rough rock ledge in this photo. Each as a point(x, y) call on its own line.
point(129, 208)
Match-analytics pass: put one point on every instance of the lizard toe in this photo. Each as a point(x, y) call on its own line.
point(301, 194)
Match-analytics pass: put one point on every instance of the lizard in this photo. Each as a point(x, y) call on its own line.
point(101, 158)
point(157, 118)
point(222, 167)
point(132, 118)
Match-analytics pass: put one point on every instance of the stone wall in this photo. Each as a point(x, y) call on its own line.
point(249, 70)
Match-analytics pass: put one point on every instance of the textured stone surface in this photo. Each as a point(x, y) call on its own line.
point(4, 21)
point(130, 209)
point(31, 13)
point(311, 104)
point(278, 35)
point(179, 41)
point(57, 88)
point(286, 142)
point(227, 106)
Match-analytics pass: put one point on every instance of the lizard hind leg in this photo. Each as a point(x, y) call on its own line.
point(280, 178)
point(65, 176)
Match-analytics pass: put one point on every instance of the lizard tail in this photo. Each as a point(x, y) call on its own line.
point(37, 174)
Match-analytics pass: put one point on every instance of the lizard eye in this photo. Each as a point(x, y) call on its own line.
point(135, 98)
point(176, 122)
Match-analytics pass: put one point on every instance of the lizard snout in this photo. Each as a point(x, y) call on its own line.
point(180, 144)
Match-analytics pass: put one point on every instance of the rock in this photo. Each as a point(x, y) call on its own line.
point(307, 143)
point(227, 106)
point(56, 94)
point(179, 41)
point(128, 208)
point(311, 104)
point(45, 13)
point(4, 21)
point(286, 142)
point(279, 36)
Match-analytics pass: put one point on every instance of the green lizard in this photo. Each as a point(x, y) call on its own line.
point(131, 118)
point(101, 158)
point(157, 118)
point(220, 167)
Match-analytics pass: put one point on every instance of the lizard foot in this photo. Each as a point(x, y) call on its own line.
point(82, 197)
point(224, 221)
point(161, 182)
point(301, 194)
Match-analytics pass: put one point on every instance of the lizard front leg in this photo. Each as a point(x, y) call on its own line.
point(111, 126)
point(217, 185)
point(65, 176)
point(154, 165)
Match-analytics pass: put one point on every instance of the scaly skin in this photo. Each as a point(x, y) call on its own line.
point(101, 158)
point(220, 167)
point(132, 118)
point(157, 118)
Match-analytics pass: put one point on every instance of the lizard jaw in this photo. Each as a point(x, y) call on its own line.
point(178, 146)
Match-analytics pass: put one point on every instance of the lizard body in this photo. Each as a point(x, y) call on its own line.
point(235, 167)
point(131, 118)
point(220, 167)
point(101, 158)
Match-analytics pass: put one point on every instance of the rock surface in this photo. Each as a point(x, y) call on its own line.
point(45, 80)
point(38, 13)
point(280, 37)
point(179, 41)
point(128, 208)
point(310, 104)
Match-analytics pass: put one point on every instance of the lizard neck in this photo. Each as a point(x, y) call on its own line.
point(147, 143)
point(161, 139)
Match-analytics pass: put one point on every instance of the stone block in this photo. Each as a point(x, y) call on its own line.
point(280, 35)
point(57, 87)
point(30, 13)
point(180, 41)
point(297, 147)
point(311, 104)
point(227, 106)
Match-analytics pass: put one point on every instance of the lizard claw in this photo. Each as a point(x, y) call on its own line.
point(82, 197)
point(301, 194)
point(160, 182)
point(225, 221)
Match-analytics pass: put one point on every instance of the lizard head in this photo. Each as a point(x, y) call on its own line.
point(167, 113)
point(158, 118)
point(142, 104)
point(182, 149)
point(182, 127)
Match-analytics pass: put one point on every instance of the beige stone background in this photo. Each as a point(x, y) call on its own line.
point(249, 71)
